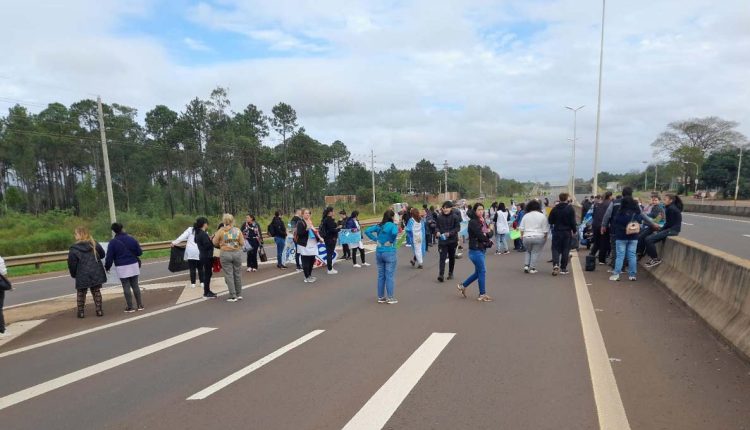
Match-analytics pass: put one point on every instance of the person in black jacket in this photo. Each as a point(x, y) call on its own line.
point(601, 236)
point(206, 250)
point(563, 219)
point(254, 238)
point(479, 241)
point(85, 266)
point(293, 224)
point(672, 227)
point(448, 226)
point(277, 230)
point(329, 230)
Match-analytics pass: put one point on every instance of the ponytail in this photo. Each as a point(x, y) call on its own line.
point(676, 200)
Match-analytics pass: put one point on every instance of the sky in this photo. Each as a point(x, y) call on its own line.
point(469, 82)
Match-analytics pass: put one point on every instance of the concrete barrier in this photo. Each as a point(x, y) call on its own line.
point(714, 284)
point(717, 209)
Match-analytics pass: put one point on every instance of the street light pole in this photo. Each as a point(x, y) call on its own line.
point(645, 178)
point(598, 107)
point(737, 183)
point(572, 185)
point(656, 173)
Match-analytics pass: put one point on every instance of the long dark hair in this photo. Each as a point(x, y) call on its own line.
point(472, 212)
point(199, 223)
point(354, 214)
point(327, 211)
point(532, 206)
point(501, 207)
point(676, 200)
point(628, 204)
point(387, 217)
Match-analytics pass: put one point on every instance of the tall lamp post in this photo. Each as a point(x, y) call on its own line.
point(737, 183)
point(572, 184)
point(697, 173)
point(595, 186)
point(645, 178)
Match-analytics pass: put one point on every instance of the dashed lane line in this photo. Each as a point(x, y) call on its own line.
point(609, 407)
point(716, 217)
point(86, 372)
point(234, 377)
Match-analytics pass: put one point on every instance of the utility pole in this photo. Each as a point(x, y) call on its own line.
point(656, 173)
point(480, 182)
point(598, 108)
point(105, 155)
point(737, 183)
point(372, 167)
point(445, 171)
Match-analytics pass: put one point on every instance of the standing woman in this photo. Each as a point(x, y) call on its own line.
point(230, 240)
point(342, 225)
point(353, 224)
point(534, 230)
point(277, 230)
point(385, 235)
point(124, 251)
point(330, 232)
point(502, 228)
point(254, 238)
point(3, 272)
point(206, 254)
point(85, 266)
point(307, 239)
point(626, 227)
point(479, 241)
point(191, 253)
point(416, 229)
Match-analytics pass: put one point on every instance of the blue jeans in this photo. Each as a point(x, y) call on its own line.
point(386, 273)
point(280, 243)
point(477, 257)
point(626, 248)
point(502, 245)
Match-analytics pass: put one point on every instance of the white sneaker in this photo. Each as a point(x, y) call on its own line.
point(298, 270)
point(357, 266)
point(231, 299)
point(333, 272)
point(366, 264)
point(192, 285)
point(249, 269)
point(239, 298)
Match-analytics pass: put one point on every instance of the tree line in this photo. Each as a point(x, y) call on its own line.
point(206, 158)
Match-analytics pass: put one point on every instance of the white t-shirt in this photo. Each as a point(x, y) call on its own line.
point(501, 226)
point(534, 224)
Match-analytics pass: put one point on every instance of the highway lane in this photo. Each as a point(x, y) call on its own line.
point(726, 233)
point(520, 362)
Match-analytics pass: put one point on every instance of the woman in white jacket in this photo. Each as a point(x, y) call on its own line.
point(502, 229)
point(192, 254)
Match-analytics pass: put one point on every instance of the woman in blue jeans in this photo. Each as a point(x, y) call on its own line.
point(277, 230)
point(385, 235)
point(479, 241)
point(626, 226)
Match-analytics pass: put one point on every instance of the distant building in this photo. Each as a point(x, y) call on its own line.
point(613, 186)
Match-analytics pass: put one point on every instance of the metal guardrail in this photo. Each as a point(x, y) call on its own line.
point(55, 257)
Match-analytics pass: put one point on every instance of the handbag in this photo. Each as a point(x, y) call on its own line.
point(5, 284)
point(262, 254)
point(177, 261)
point(216, 265)
point(633, 227)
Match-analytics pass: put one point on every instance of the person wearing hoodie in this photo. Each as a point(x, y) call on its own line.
point(329, 230)
point(562, 218)
point(672, 227)
point(626, 226)
point(479, 241)
point(124, 251)
point(534, 231)
point(85, 266)
point(448, 226)
point(277, 230)
point(416, 233)
point(502, 228)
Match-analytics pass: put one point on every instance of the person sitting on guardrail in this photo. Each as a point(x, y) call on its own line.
point(672, 227)
point(85, 266)
point(124, 252)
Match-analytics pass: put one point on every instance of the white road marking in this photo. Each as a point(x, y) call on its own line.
point(609, 407)
point(381, 406)
point(746, 235)
point(86, 372)
point(686, 223)
point(236, 376)
point(716, 217)
point(129, 320)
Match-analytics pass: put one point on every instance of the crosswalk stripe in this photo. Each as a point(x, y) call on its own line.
point(236, 376)
point(381, 406)
point(86, 372)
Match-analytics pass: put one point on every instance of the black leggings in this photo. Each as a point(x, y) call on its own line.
point(193, 266)
point(2, 319)
point(361, 253)
point(330, 249)
point(252, 257)
point(307, 264)
point(205, 268)
point(447, 251)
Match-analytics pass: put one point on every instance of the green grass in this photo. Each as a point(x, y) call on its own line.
point(63, 266)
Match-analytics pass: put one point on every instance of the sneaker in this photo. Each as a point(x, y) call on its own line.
point(240, 298)
point(129, 310)
point(392, 301)
point(366, 264)
point(555, 270)
point(461, 289)
point(140, 308)
point(254, 269)
point(210, 296)
point(232, 299)
point(525, 269)
point(533, 270)
point(333, 272)
point(382, 300)
point(485, 298)
point(420, 267)
point(298, 270)
point(440, 278)
point(412, 262)
point(192, 285)
point(498, 252)
point(358, 266)
point(654, 262)
point(565, 272)
point(601, 263)
point(614, 278)
point(506, 252)
point(282, 267)
point(450, 276)
point(310, 280)
point(632, 278)
point(249, 269)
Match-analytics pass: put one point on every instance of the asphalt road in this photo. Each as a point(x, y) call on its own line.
point(726, 233)
point(533, 359)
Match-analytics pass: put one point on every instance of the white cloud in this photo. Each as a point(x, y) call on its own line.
point(388, 70)
point(196, 45)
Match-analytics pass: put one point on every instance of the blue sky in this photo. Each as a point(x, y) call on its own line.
point(471, 81)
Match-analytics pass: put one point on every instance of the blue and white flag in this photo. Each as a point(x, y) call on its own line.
point(347, 237)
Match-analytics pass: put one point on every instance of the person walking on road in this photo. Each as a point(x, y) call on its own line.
point(385, 234)
point(626, 227)
point(672, 227)
point(3, 273)
point(206, 255)
point(229, 240)
point(352, 224)
point(277, 230)
point(448, 226)
point(479, 241)
point(329, 230)
point(502, 228)
point(416, 230)
point(253, 241)
point(534, 229)
point(192, 255)
point(85, 266)
point(125, 251)
point(562, 219)
point(307, 239)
